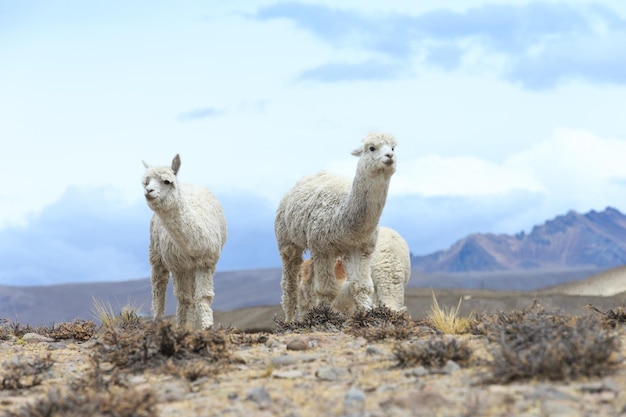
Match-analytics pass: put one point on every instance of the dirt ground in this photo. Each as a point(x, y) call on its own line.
point(270, 371)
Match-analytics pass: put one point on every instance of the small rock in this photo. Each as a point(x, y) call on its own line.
point(450, 367)
point(36, 338)
point(374, 350)
point(354, 402)
point(417, 371)
point(137, 379)
point(288, 374)
point(593, 387)
point(57, 346)
point(291, 359)
point(298, 343)
point(260, 396)
point(329, 374)
point(416, 401)
point(358, 343)
point(272, 343)
point(171, 391)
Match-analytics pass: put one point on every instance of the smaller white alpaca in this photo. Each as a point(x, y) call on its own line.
point(306, 286)
point(187, 234)
point(391, 270)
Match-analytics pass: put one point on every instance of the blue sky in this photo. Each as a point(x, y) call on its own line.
point(506, 114)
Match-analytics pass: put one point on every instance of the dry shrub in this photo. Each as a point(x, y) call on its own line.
point(155, 342)
point(321, 318)
point(534, 343)
point(24, 373)
point(242, 338)
point(81, 330)
point(611, 318)
point(89, 399)
point(434, 351)
point(5, 331)
point(381, 323)
point(18, 330)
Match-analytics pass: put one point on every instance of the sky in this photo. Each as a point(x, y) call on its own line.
point(506, 113)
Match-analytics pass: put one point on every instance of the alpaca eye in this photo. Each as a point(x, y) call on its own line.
point(167, 182)
point(372, 149)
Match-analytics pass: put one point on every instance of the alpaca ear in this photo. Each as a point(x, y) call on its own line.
point(176, 164)
point(145, 164)
point(357, 152)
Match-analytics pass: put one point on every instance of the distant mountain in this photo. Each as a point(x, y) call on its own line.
point(591, 240)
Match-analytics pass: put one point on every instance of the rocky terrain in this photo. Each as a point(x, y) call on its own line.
point(534, 361)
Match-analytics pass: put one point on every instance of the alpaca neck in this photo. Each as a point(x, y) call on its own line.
point(171, 216)
point(364, 205)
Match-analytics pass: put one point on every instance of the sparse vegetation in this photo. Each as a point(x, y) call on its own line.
point(434, 351)
point(534, 343)
point(447, 320)
point(381, 323)
point(80, 330)
point(24, 372)
point(152, 344)
point(612, 317)
point(318, 318)
point(123, 365)
point(128, 317)
point(89, 399)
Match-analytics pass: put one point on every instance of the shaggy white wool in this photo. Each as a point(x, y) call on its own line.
point(187, 234)
point(334, 217)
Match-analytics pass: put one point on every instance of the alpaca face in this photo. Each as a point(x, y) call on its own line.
point(378, 153)
point(159, 184)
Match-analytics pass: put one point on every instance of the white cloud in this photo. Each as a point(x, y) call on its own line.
point(434, 175)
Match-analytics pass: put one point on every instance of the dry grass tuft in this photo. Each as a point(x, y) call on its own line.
point(381, 323)
point(534, 343)
point(434, 351)
point(446, 320)
point(128, 317)
point(321, 318)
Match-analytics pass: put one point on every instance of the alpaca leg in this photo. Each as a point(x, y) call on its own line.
point(204, 297)
point(292, 259)
point(326, 287)
point(305, 293)
point(184, 284)
point(159, 278)
point(343, 301)
point(359, 276)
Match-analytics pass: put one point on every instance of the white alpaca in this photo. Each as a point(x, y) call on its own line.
point(391, 270)
point(335, 217)
point(187, 234)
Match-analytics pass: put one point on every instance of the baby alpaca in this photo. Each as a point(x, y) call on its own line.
point(391, 270)
point(187, 234)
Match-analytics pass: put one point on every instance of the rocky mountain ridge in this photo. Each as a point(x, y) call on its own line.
point(574, 240)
